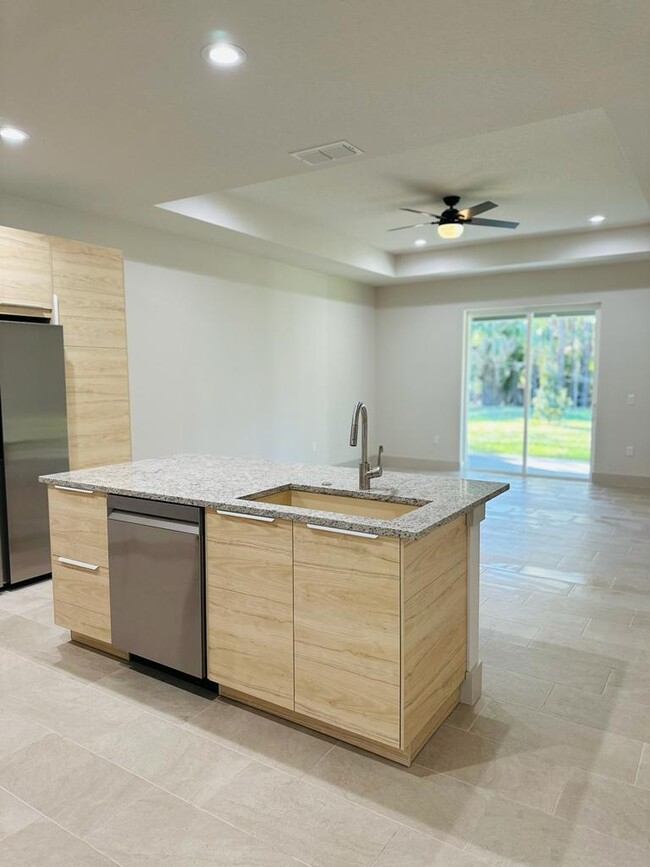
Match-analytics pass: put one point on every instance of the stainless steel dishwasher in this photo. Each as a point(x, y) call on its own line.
point(155, 553)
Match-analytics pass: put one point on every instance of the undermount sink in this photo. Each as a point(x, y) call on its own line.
point(324, 501)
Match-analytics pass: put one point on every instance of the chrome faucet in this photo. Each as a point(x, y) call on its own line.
point(366, 472)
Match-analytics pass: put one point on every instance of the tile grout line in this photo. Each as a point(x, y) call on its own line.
point(151, 785)
point(559, 797)
point(609, 677)
point(53, 822)
point(638, 770)
point(201, 808)
point(383, 849)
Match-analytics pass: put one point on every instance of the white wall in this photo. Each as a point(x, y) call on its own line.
point(241, 369)
point(239, 354)
point(419, 357)
point(230, 353)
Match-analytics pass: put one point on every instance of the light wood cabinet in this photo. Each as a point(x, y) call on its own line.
point(434, 626)
point(358, 637)
point(347, 635)
point(25, 272)
point(89, 284)
point(79, 542)
point(250, 606)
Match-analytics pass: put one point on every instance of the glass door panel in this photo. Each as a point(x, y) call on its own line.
point(561, 393)
point(496, 393)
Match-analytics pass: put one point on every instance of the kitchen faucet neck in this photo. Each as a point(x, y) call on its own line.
point(366, 472)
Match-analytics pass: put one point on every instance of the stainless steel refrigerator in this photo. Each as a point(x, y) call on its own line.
point(34, 441)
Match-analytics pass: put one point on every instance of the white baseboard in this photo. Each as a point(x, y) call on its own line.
point(471, 687)
point(613, 480)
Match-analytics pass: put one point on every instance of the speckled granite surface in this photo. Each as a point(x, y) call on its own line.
point(205, 480)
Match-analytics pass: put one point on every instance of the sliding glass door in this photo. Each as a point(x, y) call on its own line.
point(529, 392)
point(495, 397)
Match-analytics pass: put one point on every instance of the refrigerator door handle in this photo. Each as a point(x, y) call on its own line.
point(79, 564)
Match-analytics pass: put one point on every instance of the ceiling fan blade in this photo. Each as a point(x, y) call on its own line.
point(498, 224)
point(475, 210)
point(426, 213)
point(413, 226)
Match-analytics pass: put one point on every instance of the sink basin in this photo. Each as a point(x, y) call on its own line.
point(326, 501)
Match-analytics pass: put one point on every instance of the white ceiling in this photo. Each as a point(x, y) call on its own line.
point(546, 114)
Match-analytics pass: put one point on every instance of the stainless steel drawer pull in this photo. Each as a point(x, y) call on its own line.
point(78, 563)
point(343, 532)
point(157, 523)
point(74, 490)
point(247, 517)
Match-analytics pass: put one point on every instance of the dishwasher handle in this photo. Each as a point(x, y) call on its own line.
point(158, 523)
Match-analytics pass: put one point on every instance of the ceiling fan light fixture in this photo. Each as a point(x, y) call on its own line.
point(450, 230)
point(597, 218)
point(420, 242)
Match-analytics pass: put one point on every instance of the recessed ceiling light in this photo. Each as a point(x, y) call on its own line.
point(13, 135)
point(224, 54)
point(420, 242)
point(597, 218)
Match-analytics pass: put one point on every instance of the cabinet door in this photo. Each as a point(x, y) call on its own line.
point(25, 273)
point(250, 606)
point(347, 631)
point(79, 541)
point(89, 283)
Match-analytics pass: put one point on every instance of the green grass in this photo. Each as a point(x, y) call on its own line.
point(499, 430)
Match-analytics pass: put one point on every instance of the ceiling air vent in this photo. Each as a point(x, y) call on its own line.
point(338, 150)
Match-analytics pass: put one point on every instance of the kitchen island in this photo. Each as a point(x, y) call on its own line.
point(351, 612)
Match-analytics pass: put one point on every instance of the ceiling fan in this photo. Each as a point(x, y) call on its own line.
point(451, 223)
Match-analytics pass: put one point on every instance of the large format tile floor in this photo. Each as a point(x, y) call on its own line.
point(101, 764)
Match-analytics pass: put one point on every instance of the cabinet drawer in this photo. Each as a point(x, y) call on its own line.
point(89, 623)
point(78, 526)
point(80, 587)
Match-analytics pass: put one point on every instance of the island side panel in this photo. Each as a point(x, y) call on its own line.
point(249, 581)
point(347, 651)
point(434, 628)
point(472, 685)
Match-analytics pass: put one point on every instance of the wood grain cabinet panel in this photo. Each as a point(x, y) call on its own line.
point(96, 372)
point(98, 431)
point(25, 271)
point(89, 283)
point(347, 632)
point(78, 525)
point(82, 589)
point(79, 533)
point(104, 333)
point(80, 267)
point(434, 625)
point(250, 606)
point(83, 622)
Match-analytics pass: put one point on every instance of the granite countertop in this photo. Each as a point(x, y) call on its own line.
point(205, 480)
